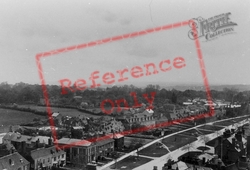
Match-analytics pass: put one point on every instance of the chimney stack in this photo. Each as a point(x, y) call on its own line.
point(233, 142)
point(37, 143)
point(50, 141)
point(23, 148)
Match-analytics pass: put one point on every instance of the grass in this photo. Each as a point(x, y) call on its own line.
point(63, 111)
point(130, 163)
point(13, 117)
point(176, 141)
point(153, 151)
point(210, 127)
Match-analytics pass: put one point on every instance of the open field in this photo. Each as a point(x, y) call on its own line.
point(63, 111)
point(14, 117)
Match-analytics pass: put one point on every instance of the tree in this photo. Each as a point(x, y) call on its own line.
point(188, 147)
point(205, 139)
point(174, 98)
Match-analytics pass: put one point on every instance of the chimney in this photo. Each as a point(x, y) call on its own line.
point(23, 147)
point(233, 142)
point(50, 141)
point(203, 161)
point(37, 143)
point(238, 136)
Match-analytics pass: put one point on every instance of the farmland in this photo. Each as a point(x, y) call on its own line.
point(63, 111)
point(13, 117)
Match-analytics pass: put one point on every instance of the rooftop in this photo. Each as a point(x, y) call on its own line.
point(76, 142)
point(42, 152)
point(12, 161)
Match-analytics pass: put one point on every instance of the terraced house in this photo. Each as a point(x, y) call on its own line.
point(45, 158)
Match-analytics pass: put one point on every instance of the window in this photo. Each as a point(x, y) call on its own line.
point(54, 158)
point(48, 159)
point(62, 155)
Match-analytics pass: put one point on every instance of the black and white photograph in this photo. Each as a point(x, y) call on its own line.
point(124, 85)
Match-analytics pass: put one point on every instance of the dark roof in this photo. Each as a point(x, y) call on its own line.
point(42, 152)
point(12, 161)
point(104, 141)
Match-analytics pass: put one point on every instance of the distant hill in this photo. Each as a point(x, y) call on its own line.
point(212, 87)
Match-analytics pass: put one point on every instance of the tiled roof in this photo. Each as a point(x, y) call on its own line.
point(28, 139)
point(76, 142)
point(42, 152)
point(12, 161)
point(104, 141)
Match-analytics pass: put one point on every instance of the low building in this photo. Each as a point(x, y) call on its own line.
point(144, 118)
point(45, 158)
point(14, 161)
point(230, 146)
point(81, 152)
point(21, 142)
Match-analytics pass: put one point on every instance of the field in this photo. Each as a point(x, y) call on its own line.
point(14, 117)
point(63, 111)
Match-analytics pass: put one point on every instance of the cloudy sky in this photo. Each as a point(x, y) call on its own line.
point(29, 27)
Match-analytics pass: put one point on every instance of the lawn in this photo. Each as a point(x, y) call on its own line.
point(153, 151)
point(14, 117)
point(176, 141)
point(225, 123)
point(193, 131)
point(130, 163)
point(210, 127)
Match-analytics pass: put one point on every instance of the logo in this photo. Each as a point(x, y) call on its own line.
point(211, 28)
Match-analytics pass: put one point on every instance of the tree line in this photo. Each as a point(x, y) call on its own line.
point(23, 93)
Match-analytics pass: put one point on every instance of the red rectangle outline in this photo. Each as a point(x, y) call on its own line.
point(116, 38)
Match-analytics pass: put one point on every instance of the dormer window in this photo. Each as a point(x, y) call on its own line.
point(11, 162)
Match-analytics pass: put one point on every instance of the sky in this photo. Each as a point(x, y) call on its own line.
point(29, 27)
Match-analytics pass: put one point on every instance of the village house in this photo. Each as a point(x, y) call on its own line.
point(46, 157)
point(174, 111)
point(21, 142)
point(14, 161)
point(112, 126)
point(57, 118)
point(145, 118)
